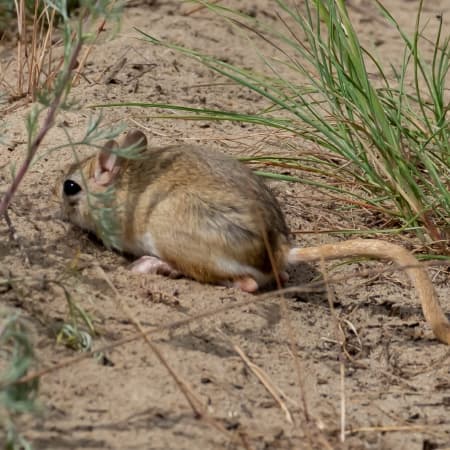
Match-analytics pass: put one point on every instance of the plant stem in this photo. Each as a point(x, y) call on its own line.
point(48, 123)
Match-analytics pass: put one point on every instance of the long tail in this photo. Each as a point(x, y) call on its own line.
point(384, 250)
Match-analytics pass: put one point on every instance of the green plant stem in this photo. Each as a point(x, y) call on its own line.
point(47, 125)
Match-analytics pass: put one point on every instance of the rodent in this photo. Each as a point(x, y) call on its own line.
point(190, 211)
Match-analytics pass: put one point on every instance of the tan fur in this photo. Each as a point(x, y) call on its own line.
point(203, 207)
point(211, 219)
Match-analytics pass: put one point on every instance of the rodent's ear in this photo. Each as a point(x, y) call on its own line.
point(107, 164)
point(136, 139)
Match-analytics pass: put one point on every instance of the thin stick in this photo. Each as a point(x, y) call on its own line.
point(343, 404)
point(391, 428)
point(194, 402)
point(340, 336)
point(291, 347)
point(276, 393)
point(100, 28)
point(46, 44)
point(21, 45)
point(290, 332)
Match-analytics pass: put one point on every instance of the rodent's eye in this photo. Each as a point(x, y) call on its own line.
point(71, 188)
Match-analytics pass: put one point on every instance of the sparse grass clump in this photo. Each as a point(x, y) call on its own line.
point(35, 27)
point(384, 143)
point(16, 359)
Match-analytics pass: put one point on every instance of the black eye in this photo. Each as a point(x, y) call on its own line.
point(71, 188)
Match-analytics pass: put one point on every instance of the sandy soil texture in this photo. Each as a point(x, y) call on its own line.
point(395, 380)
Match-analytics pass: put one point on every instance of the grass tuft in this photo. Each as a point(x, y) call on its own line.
point(16, 359)
point(390, 135)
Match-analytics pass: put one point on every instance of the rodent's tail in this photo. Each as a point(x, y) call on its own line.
point(385, 250)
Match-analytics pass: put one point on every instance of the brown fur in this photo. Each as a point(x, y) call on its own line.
point(211, 219)
point(200, 206)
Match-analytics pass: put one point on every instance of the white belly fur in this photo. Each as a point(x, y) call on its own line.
point(143, 245)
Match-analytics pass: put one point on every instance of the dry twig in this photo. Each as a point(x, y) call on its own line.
point(277, 394)
point(340, 336)
point(194, 402)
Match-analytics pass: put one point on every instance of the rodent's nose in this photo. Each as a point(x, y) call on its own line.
point(71, 188)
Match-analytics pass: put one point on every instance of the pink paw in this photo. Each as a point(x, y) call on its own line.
point(284, 277)
point(246, 284)
point(152, 264)
point(249, 284)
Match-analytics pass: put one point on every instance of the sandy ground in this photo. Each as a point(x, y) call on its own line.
point(396, 384)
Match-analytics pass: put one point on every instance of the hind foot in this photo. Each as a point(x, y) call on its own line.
point(246, 284)
point(249, 284)
point(152, 264)
point(284, 277)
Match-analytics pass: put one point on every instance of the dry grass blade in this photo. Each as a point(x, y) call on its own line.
point(21, 44)
point(340, 336)
point(343, 401)
point(85, 56)
point(291, 337)
point(396, 428)
point(35, 65)
point(199, 8)
point(276, 393)
point(194, 402)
